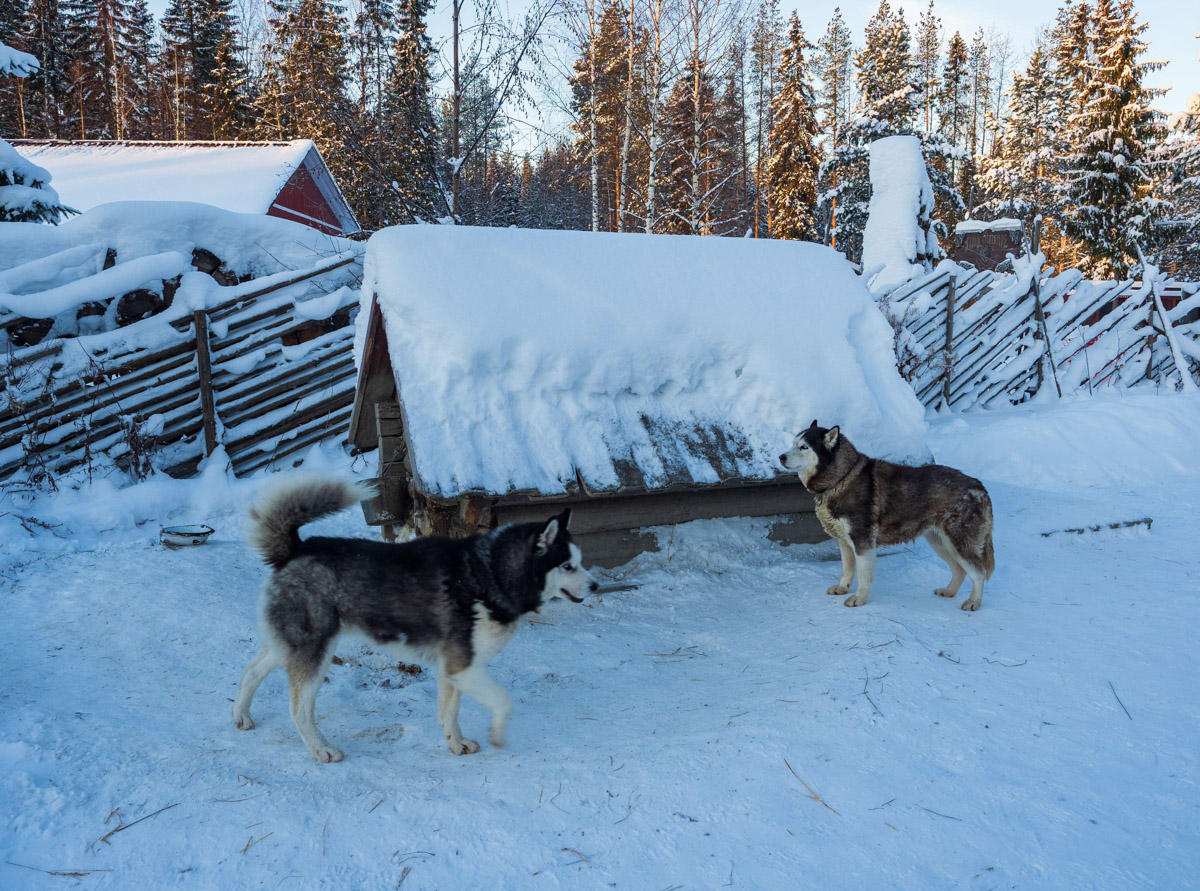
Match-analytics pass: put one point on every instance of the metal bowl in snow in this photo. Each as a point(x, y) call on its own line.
point(184, 536)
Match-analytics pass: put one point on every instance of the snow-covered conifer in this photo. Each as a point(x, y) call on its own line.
point(795, 161)
point(1106, 181)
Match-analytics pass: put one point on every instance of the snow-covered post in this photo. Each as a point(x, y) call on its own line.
point(899, 239)
point(1039, 311)
point(948, 373)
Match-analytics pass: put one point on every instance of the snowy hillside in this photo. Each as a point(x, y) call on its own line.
point(722, 723)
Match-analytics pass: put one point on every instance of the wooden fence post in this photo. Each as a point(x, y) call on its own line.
point(204, 369)
point(948, 371)
point(1039, 313)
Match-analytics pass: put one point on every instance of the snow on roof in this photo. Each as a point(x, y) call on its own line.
point(1004, 224)
point(524, 357)
point(900, 190)
point(241, 177)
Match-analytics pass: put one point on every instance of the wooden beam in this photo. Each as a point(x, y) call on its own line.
point(204, 371)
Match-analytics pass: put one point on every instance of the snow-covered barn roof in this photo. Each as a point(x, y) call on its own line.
point(538, 361)
point(1004, 224)
point(245, 177)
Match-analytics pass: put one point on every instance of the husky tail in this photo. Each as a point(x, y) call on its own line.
point(292, 503)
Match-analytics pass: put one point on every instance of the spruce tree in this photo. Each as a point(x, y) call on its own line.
point(796, 160)
point(1019, 176)
point(226, 95)
point(14, 92)
point(409, 120)
point(835, 51)
point(304, 79)
point(765, 41)
point(928, 56)
point(201, 63)
point(1179, 164)
point(887, 77)
point(49, 87)
point(954, 97)
point(1106, 183)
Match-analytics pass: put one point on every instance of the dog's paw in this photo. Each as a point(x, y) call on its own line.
point(245, 722)
point(496, 738)
point(464, 747)
point(971, 605)
point(856, 599)
point(945, 592)
point(328, 754)
point(838, 589)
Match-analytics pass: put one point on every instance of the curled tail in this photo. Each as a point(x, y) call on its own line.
point(290, 504)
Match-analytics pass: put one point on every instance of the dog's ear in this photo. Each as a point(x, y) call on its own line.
point(831, 438)
point(813, 425)
point(564, 519)
point(546, 536)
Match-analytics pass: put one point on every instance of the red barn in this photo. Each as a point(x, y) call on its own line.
point(280, 179)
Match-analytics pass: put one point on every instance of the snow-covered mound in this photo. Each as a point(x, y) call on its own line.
point(1110, 439)
point(896, 246)
point(525, 356)
point(37, 260)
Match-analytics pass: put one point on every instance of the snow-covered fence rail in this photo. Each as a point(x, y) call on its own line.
point(279, 377)
point(967, 338)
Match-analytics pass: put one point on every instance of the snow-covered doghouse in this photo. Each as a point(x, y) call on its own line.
point(288, 180)
point(644, 380)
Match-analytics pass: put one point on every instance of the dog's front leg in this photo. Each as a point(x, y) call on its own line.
point(449, 700)
point(864, 559)
point(843, 585)
point(480, 686)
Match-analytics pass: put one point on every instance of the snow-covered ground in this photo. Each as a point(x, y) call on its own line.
point(725, 723)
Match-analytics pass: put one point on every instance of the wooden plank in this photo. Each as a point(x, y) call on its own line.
point(222, 309)
point(204, 372)
point(665, 508)
point(123, 393)
point(250, 409)
point(375, 382)
point(278, 392)
point(318, 430)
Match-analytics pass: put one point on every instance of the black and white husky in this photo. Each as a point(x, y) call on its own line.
point(867, 502)
point(450, 603)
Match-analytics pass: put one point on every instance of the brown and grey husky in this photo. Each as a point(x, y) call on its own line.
point(865, 502)
point(450, 603)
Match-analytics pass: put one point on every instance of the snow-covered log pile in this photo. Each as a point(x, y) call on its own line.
point(103, 364)
point(967, 337)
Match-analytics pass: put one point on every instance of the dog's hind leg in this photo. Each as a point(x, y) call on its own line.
point(305, 676)
point(843, 585)
point(945, 550)
point(449, 700)
point(267, 660)
point(480, 686)
point(864, 560)
point(971, 553)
